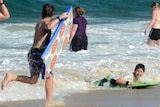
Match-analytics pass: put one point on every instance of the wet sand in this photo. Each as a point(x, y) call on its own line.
point(149, 97)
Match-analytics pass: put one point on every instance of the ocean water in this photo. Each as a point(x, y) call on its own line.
point(116, 44)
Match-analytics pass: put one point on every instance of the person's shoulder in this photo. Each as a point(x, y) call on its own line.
point(76, 19)
point(128, 74)
point(156, 10)
point(41, 24)
point(82, 18)
point(85, 19)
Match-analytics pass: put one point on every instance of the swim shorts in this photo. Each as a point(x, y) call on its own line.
point(154, 34)
point(36, 64)
point(79, 42)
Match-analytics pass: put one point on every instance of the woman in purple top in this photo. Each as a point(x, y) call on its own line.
point(78, 37)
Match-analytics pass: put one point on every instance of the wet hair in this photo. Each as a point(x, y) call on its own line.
point(79, 11)
point(154, 5)
point(138, 66)
point(48, 10)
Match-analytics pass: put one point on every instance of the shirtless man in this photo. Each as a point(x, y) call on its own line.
point(154, 36)
point(4, 14)
point(41, 40)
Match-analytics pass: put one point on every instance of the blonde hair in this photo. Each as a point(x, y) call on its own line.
point(79, 11)
point(155, 5)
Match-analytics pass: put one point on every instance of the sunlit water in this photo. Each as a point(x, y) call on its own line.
point(113, 48)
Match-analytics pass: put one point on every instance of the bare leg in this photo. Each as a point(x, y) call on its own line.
point(158, 42)
point(151, 42)
point(12, 77)
point(29, 80)
point(8, 77)
point(49, 90)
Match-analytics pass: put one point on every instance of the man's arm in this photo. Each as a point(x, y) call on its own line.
point(4, 14)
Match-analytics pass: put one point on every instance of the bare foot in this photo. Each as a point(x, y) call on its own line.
point(49, 104)
point(8, 77)
point(55, 104)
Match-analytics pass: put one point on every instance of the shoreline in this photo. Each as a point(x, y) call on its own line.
point(148, 97)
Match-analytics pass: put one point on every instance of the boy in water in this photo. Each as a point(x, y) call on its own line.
point(41, 40)
point(133, 77)
point(130, 78)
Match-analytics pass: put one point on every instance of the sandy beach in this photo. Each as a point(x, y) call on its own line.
point(148, 97)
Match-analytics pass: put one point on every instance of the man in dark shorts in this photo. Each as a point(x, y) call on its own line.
point(41, 40)
point(154, 34)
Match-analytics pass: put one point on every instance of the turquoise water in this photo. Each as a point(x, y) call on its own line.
point(116, 45)
point(30, 10)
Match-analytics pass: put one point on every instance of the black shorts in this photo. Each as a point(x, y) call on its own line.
point(154, 34)
point(36, 64)
point(79, 42)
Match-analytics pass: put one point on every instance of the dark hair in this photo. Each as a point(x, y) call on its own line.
point(155, 5)
point(79, 11)
point(48, 10)
point(140, 66)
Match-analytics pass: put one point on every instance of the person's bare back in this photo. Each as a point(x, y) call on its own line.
point(41, 36)
point(156, 13)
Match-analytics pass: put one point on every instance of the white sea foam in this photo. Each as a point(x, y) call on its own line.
point(113, 48)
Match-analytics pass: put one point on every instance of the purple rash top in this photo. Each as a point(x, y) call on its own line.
point(82, 22)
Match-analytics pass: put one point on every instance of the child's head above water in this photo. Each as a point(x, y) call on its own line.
point(139, 70)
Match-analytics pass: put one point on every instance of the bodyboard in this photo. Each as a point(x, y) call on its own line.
point(143, 85)
point(57, 43)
